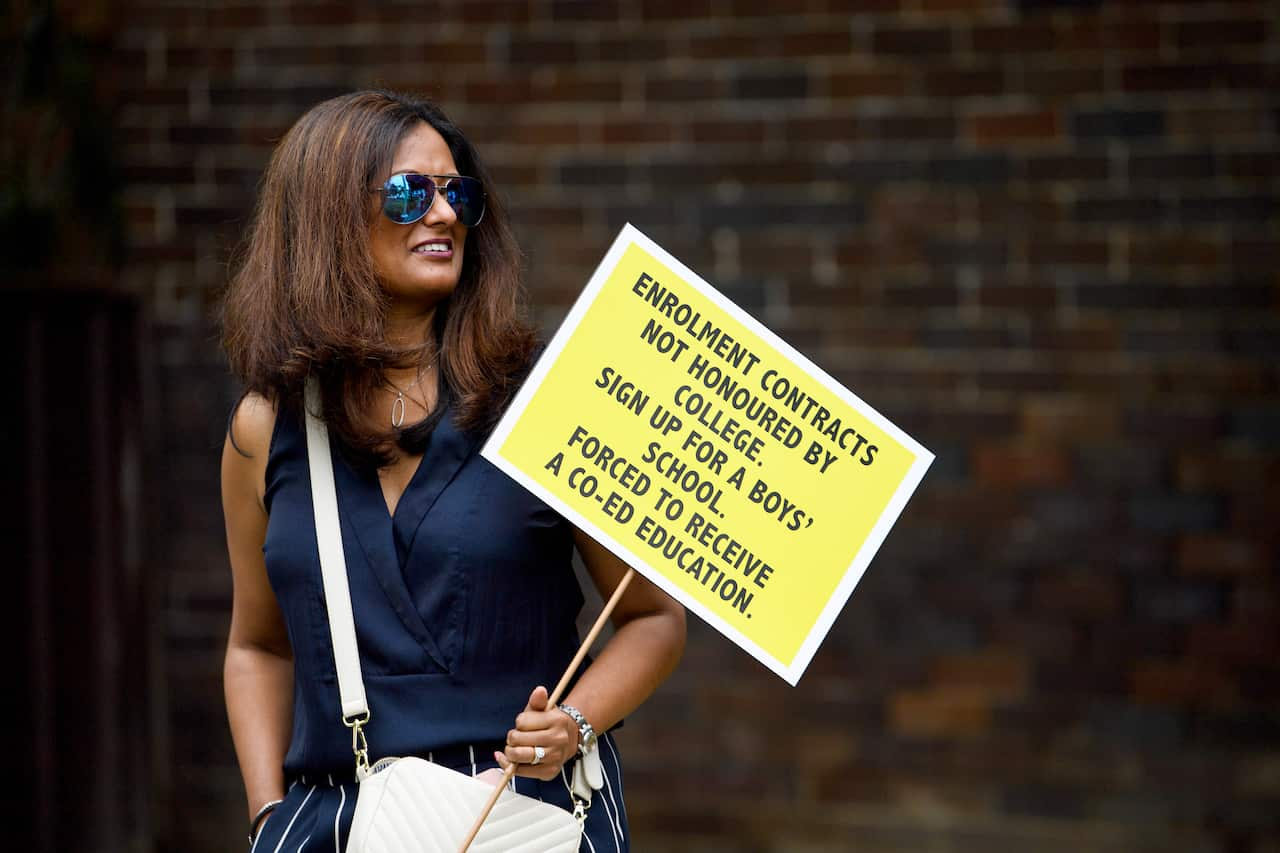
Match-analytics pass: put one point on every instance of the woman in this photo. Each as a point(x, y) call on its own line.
point(380, 262)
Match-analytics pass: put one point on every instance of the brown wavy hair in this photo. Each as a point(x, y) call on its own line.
point(305, 298)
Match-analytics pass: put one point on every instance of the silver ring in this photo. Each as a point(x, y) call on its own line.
point(538, 754)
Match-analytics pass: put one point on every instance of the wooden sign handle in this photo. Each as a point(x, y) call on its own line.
point(553, 700)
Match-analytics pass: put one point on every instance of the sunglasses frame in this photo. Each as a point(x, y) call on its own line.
point(440, 183)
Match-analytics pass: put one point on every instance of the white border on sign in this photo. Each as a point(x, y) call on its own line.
point(789, 672)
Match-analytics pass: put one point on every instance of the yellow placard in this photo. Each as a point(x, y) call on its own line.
point(708, 454)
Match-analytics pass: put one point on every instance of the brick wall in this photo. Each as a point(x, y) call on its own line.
point(1040, 235)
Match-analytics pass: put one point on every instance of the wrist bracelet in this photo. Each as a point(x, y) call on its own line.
point(586, 734)
point(266, 809)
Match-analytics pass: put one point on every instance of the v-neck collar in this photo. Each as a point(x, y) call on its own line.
point(446, 450)
point(388, 539)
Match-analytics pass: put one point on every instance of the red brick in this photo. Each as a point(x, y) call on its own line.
point(1226, 470)
point(90, 21)
point(508, 174)
point(1017, 208)
point(666, 10)
point(913, 41)
point(497, 12)
point(551, 215)
point(630, 48)
point(1083, 35)
point(858, 6)
point(999, 39)
point(1171, 77)
point(547, 132)
point(913, 127)
point(939, 712)
point(729, 45)
point(810, 43)
point(233, 16)
point(1070, 419)
point(1193, 35)
point(323, 14)
point(1214, 124)
point(770, 8)
point(948, 6)
point(584, 10)
point(140, 217)
point(1065, 251)
point(1245, 253)
point(570, 87)
point(1213, 554)
point(963, 82)
point(823, 128)
point(1019, 296)
point(206, 57)
point(1184, 249)
point(780, 252)
point(1007, 127)
point(1252, 165)
point(869, 83)
point(1231, 380)
point(1000, 674)
point(1018, 466)
point(1061, 81)
point(1192, 684)
point(1251, 641)
point(516, 89)
point(539, 50)
point(1092, 596)
point(684, 88)
point(728, 130)
point(618, 131)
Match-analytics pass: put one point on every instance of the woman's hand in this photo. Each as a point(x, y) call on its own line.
point(544, 725)
point(258, 667)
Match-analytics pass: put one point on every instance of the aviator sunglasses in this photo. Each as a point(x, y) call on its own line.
point(407, 197)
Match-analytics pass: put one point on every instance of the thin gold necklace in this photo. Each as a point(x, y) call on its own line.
point(397, 406)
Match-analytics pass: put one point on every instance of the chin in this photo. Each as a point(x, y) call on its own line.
point(425, 293)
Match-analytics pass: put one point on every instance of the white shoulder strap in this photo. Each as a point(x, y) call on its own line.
point(333, 562)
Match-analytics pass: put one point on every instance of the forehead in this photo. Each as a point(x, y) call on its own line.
point(423, 149)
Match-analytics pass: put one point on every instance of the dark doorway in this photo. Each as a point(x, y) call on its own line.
point(76, 617)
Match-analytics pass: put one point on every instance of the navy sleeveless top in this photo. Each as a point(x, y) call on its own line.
point(464, 600)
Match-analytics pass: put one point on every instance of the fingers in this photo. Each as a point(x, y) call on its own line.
point(557, 748)
point(538, 699)
point(538, 714)
point(544, 771)
point(540, 725)
point(551, 730)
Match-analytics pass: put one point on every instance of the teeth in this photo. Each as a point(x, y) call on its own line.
point(427, 248)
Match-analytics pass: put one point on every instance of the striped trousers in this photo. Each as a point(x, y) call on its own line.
point(316, 813)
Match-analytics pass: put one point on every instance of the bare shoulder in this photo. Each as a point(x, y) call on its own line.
point(244, 455)
point(252, 424)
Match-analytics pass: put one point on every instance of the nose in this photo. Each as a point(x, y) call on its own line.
point(440, 212)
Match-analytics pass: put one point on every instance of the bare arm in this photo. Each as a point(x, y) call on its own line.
point(648, 640)
point(258, 671)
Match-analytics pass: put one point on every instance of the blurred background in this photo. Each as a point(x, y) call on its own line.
point(1041, 236)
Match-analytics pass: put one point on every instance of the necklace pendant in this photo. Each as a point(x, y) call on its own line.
point(397, 411)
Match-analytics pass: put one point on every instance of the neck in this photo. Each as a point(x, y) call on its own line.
point(406, 329)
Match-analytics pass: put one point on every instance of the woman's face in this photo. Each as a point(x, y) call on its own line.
point(419, 264)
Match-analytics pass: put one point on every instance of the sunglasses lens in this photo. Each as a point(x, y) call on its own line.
point(466, 197)
point(407, 197)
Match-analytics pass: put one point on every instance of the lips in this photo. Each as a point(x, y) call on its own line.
point(436, 247)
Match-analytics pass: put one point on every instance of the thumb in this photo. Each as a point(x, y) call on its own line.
point(538, 699)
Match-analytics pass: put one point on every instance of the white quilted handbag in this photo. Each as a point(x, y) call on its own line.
point(413, 805)
point(408, 805)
